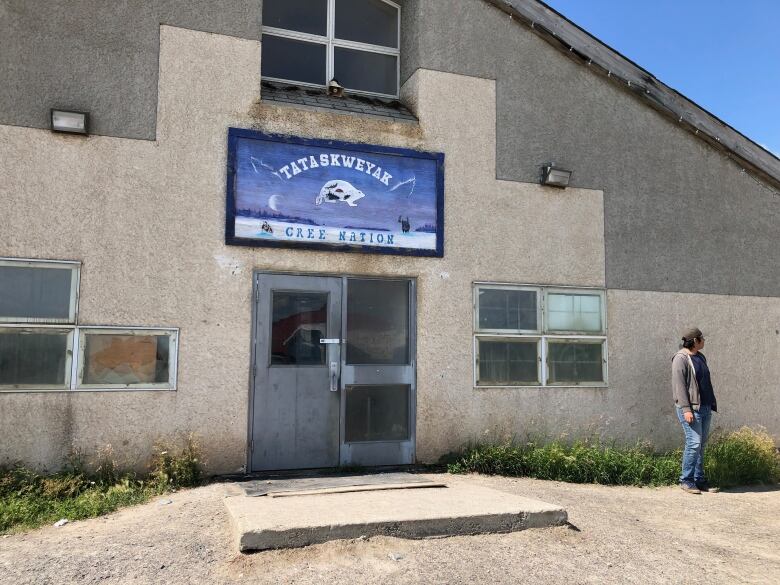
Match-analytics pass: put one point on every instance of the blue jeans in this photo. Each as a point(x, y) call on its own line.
point(695, 438)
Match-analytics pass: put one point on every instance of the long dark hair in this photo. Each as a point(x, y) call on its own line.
point(689, 343)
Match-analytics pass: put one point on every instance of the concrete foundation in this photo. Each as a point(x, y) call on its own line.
point(261, 523)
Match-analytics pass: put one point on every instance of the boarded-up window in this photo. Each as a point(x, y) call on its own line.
point(126, 358)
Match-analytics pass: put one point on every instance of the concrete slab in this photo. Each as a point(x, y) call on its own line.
point(458, 509)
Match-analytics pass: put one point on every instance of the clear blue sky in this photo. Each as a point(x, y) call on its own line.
point(723, 55)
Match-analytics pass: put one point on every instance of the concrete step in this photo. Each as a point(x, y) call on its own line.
point(261, 523)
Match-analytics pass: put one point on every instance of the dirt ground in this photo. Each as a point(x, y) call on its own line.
point(619, 535)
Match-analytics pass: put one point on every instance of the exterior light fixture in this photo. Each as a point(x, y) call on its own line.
point(70, 122)
point(555, 177)
point(335, 88)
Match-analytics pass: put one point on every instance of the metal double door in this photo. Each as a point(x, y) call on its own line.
point(333, 380)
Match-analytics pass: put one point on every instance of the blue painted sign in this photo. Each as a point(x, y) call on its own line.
point(318, 194)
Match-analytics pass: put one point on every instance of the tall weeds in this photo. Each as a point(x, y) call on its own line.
point(29, 499)
point(743, 457)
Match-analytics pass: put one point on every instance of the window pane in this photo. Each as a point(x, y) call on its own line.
point(574, 312)
point(507, 362)
point(507, 309)
point(299, 322)
point(33, 358)
point(377, 413)
point(377, 321)
point(365, 71)
point(367, 21)
point(35, 294)
point(309, 16)
point(293, 60)
point(126, 359)
point(575, 362)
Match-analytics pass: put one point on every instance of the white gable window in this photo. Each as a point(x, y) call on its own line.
point(355, 42)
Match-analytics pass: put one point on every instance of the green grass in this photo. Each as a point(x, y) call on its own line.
point(29, 499)
point(743, 457)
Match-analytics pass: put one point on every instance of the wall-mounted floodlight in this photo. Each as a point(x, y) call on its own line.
point(555, 177)
point(71, 122)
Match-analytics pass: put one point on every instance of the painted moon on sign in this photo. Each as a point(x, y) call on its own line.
point(273, 202)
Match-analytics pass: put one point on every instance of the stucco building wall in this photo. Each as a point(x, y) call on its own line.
point(146, 218)
point(663, 187)
point(100, 57)
point(665, 190)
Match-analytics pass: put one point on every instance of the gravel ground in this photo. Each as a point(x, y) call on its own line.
point(619, 535)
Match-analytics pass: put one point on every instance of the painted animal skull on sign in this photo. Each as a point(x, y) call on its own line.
point(339, 191)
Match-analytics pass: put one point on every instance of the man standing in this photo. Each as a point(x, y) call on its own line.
point(694, 399)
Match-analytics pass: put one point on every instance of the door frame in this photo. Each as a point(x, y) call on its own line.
point(259, 273)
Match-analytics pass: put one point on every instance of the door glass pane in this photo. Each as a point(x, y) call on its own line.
point(574, 312)
point(507, 309)
point(32, 358)
point(299, 322)
point(36, 294)
point(367, 21)
point(365, 71)
point(507, 362)
point(575, 362)
point(308, 16)
point(126, 359)
point(377, 413)
point(377, 321)
point(294, 60)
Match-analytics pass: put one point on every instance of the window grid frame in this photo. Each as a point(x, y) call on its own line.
point(331, 43)
point(539, 329)
point(542, 335)
point(73, 346)
point(68, 370)
point(589, 340)
point(526, 338)
point(546, 291)
point(75, 284)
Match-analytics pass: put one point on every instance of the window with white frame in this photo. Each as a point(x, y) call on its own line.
point(42, 347)
point(310, 42)
point(539, 336)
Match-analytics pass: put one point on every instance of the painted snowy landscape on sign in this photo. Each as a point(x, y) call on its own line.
point(334, 196)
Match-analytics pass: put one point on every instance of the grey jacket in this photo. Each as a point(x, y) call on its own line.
point(684, 386)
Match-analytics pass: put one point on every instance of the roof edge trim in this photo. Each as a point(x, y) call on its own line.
point(586, 49)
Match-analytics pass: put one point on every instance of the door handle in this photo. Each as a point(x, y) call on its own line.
point(334, 376)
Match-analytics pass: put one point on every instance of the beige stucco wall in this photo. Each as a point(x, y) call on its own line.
point(742, 347)
point(147, 221)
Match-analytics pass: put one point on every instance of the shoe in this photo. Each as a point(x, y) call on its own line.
point(690, 488)
point(704, 486)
